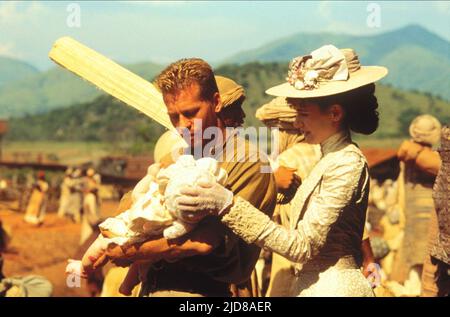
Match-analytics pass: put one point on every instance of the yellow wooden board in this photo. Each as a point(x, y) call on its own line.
point(111, 78)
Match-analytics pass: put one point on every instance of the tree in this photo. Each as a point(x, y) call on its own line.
point(405, 118)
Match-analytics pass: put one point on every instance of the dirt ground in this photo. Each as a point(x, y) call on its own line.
point(43, 250)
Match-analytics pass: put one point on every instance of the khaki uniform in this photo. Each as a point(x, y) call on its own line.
point(232, 262)
point(113, 279)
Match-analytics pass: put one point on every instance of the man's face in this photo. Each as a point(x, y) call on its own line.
point(188, 111)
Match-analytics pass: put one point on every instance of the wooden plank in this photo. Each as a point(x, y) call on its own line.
point(110, 77)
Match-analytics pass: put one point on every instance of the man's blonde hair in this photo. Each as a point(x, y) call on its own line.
point(183, 74)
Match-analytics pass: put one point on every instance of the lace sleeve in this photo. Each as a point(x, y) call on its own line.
point(337, 189)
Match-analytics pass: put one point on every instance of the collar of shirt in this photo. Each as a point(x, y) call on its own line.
point(335, 142)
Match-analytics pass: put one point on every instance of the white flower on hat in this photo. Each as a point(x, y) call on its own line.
point(311, 78)
point(334, 71)
point(299, 84)
point(327, 63)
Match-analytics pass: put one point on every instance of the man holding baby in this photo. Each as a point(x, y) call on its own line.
point(206, 261)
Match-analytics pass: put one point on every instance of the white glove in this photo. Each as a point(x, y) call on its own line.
point(203, 200)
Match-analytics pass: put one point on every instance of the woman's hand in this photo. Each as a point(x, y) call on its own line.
point(203, 200)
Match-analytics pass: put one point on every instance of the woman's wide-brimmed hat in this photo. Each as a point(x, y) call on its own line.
point(324, 72)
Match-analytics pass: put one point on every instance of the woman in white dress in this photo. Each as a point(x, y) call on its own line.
point(333, 95)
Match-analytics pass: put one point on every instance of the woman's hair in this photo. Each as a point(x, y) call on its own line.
point(360, 106)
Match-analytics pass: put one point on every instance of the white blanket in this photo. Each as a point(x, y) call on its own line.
point(154, 200)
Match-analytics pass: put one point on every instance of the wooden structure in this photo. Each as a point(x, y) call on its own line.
point(383, 163)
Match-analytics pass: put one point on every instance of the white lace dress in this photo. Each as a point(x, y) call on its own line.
point(326, 224)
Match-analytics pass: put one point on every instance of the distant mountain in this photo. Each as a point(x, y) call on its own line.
point(12, 70)
point(56, 88)
point(107, 120)
point(416, 58)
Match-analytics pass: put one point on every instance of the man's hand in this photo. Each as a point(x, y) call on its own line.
point(198, 242)
point(409, 151)
point(284, 177)
point(117, 256)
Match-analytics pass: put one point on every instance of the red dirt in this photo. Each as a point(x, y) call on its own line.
point(43, 250)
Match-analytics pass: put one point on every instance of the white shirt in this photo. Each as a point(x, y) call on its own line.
point(329, 213)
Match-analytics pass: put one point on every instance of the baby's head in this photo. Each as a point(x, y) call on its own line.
point(188, 172)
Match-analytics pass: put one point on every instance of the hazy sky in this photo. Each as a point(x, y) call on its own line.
point(163, 31)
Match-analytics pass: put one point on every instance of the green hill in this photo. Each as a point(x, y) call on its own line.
point(416, 58)
point(104, 120)
point(12, 70)
point(397, 107)
point(56, 88)
point(107, 120)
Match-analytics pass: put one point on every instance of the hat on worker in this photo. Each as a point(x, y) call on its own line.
point(326, 71)
point(425, 129)
point(229, 91)
point(277, 114)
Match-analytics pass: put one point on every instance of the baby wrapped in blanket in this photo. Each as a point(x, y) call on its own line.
point(152, 213)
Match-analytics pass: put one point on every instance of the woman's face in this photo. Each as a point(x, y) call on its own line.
point(317, 125)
